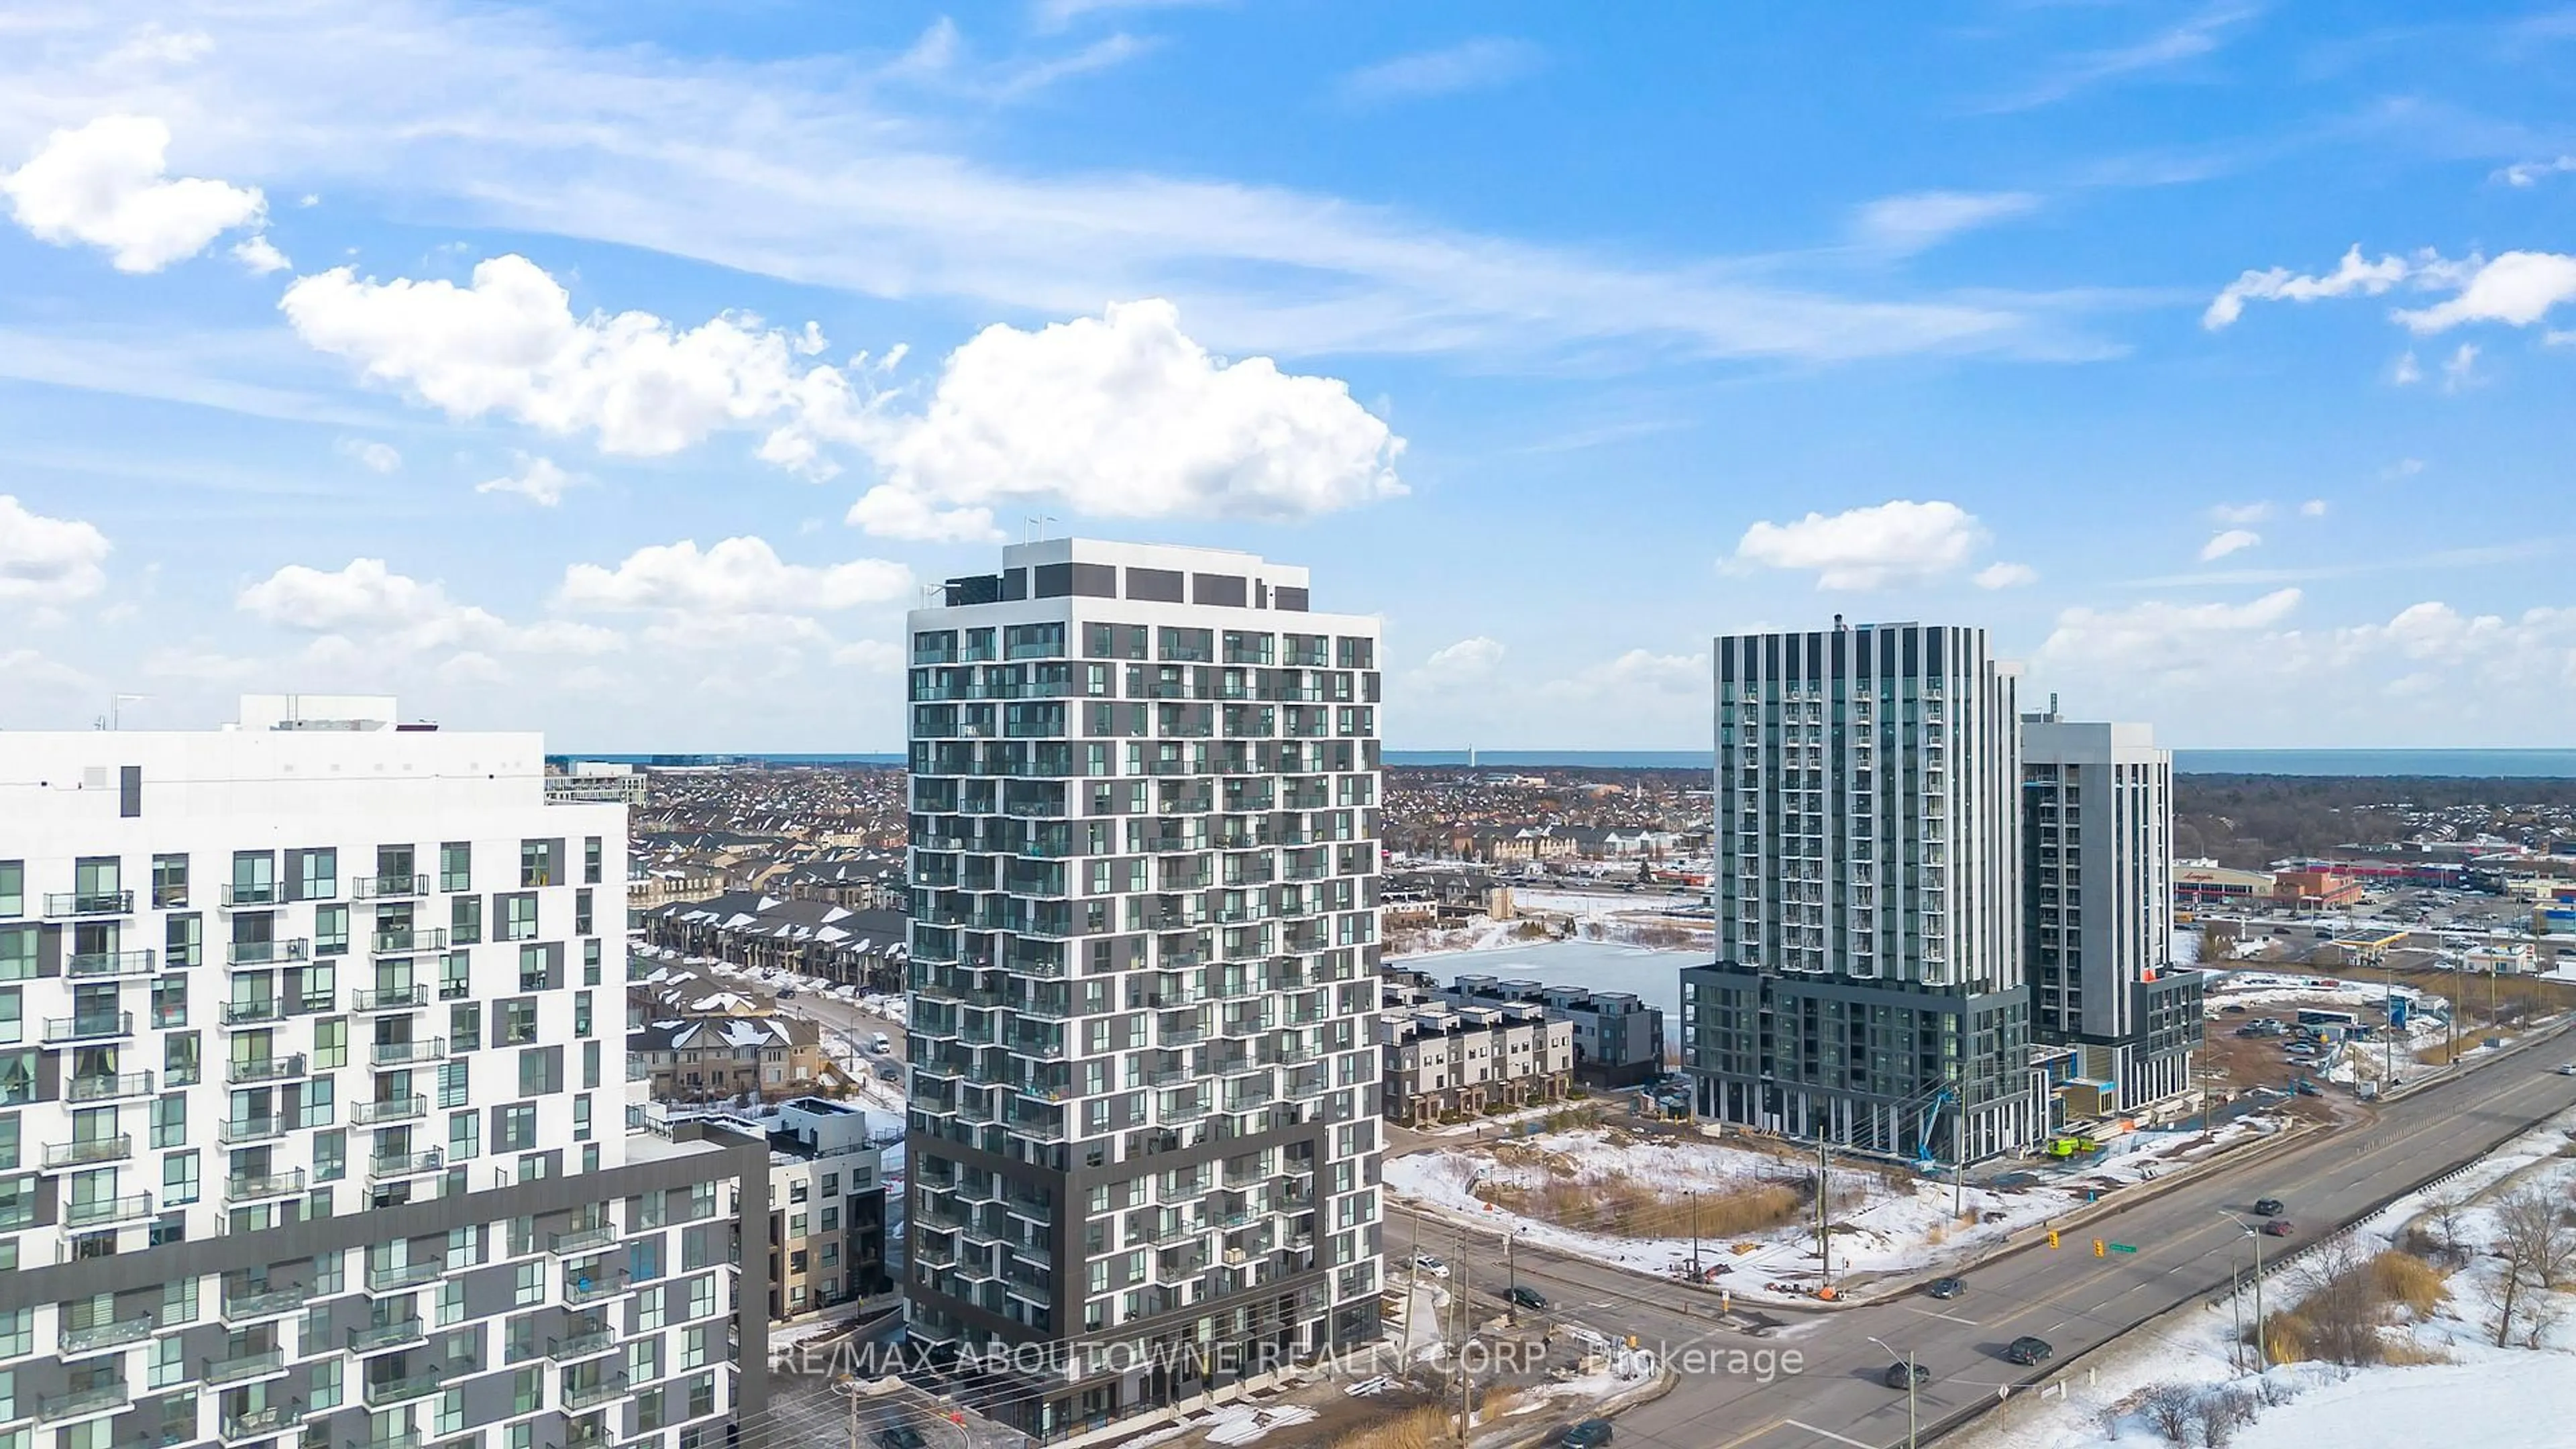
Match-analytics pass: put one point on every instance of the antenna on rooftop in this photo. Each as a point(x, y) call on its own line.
point(116, 707)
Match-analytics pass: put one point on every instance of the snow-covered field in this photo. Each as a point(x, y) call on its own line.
point(1891, 1229)
point(2495, 1398)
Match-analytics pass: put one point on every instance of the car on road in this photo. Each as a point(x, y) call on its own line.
point(1590, 1434)
point(2278, 1228)
point(1946, 1288)
point(1425, 1263)
point(898, 1436)
point(2268, 1207)
point(2027, 1350)
point(889, 1071)
point(2566, 1069)
point(1520, 1297)
point(787, 996)
point(1906, 1375)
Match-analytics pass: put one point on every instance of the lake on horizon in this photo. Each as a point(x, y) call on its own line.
point(1653, 976)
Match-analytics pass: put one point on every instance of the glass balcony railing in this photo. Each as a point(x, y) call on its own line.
point(582, 1345)
point(79, 1403)
point(391, 1277)
point(581, 1240)
point(262, 953)
point(84, 1152)
point(253, 893)
point(251, 1129)
point(381, 1392)
point(251, 1187)
point(581, 1287)
point(406, 1164)
point(265, 1069)
point(241, 1366)
point(399, 1053)
point(407, 941)
point(392, 1109)
point(107, 1335)
point(256, 1423)
point(97, 1212)
point(379, 1337)
point(388, 887)
point(108, 963)
point(102, 1087)
point(577, 1397)
point(90, 903)
point(264, 1302)
point(94, 1026)
point(253, 1013)
point(391, 998)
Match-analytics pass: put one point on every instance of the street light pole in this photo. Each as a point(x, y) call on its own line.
point(2262, 1352)
point(1906, 1359)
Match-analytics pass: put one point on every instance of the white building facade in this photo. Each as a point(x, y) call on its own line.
point(1868, 987)
point(1144, 1136)
point(313, 1093)
point(2098, 829)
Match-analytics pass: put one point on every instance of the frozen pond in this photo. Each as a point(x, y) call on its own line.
point(1654, 976)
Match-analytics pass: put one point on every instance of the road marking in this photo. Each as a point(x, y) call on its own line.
point(1750, 1435)
point(1827, 1434)
point(1937, 1313)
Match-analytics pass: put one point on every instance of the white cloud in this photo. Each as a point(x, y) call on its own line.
point(108, 184)
point(2517, 288)
point(2160, 634)
point(1057, 14)
point(1868, 548)
point(2314, 508)
point(1636, 670)
point(1924, 218)
point(48, 560)
point(372, 455)
point(2407, 372)
point(2005, 576)
point(869, 656)
point(939, 61)
point(1465, 660)
point(2529, 173)
point(539, 480)
point(260, 255)
point(736, 576)
point(1122, 416)
point(2280, 284)
point(2403, 468)
point(2460, 369)
point(2234, 540)
point(1466, 66)
point(2241, 513)
point(508, 344)
point(367, 600)
point(2202, 34)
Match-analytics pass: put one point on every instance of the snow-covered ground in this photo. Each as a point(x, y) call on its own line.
point(1890, 1230)
point(2494, 1398)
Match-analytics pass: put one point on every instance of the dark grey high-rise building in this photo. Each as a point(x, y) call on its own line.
point(1868, 983)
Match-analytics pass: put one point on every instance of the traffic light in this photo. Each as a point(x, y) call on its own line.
point(2099, 1249)
point(2052, 1237)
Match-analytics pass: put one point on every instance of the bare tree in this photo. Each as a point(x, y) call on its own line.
point(2214, 1413)
point(2341, 1304)
point(2537, 1249)
point(2447, 1211)
point(2169, 1408)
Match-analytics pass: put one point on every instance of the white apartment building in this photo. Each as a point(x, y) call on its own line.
point(312, 1105)
point(1868, 987)
point(1143, 1143)
point(2098, 824)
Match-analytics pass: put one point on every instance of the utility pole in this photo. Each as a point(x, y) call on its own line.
point(1466, 1384)
point(1959, 1154)
point(1824, 1227)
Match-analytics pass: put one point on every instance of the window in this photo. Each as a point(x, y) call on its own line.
point(581, 912)
point(702, 1296)
point(537, 968)
point(831, 1255)
point(590, 1066)
point(182, 941)
point(465, 920)
point(455, 975)
point(518, 917)
point(465, 1027)
point(18, 953)
point(178, 1179)
point(581, 1118)
point(540, 863)
point(796, 1221)
point(590, 962)
point(13, 1024)
point(590, 859)
point(169, 881)
point(13, 888)
point(168, 1363)
point(581, 1013)
point(330, 1156)
point(9, 1141)
point(518, 1022)
point(322, 1385)
point(179, 1059)
point(464, 1136)
point(331, 1042)
point(454, 1089)
point(648, 1311)
point(17, 1332)
point(170, 1121)
point(456, 866)
point(590, 1157)
point(644, 1360)
point(831, 1219)
point(531, 1283)
point(514, 1127)
point(693, 1348)
point(330, 930)
point(169, 1002)
point(254, 878)
point(317, 873)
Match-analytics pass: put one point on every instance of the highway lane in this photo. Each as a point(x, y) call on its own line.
point(2185, 1242)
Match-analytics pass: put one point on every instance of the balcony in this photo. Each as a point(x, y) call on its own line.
point(265, 1069)
point(104, 1088)
point(90, 903)
point(379, 1337)
point(400, 1053)
point(408, 941)
point(403, 1439)
point(236, 1131)
point(392, 998)
point(108, 963)
point(242, 1367)
point(394, 1277)
point(383, 1392)
point(88, 1152)
point(259, 1423)
point(581, 1345)
point(107, 1335)
point(97, 1026)
point(406, 1164)
point(253, 1013)
point(81, 1403)
point(392, 1109)
point(264, 893)
point(591, 1288)
point(263, 1302)
point(388, 887)
point(265, 953)
point(581, 1240)
point(577, 1397)
point(253, 1187)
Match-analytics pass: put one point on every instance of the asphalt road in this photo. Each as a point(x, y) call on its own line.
point(2184, 1240)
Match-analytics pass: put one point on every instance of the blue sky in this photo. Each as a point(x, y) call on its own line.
point(622, 369)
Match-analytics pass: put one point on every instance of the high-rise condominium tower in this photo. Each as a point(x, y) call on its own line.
point(1143, 1137)
point(2098, 831)
point(313, 1105)
point(1868, 985)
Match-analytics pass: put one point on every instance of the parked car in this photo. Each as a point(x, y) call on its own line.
point(898, 1436)
point(2278, 1228)
point(1906, 1375)
point(1425, 1263)
point(1946, 1288)
point(1521, 1297)
point(2027, 1350)
point(1590, 1434)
